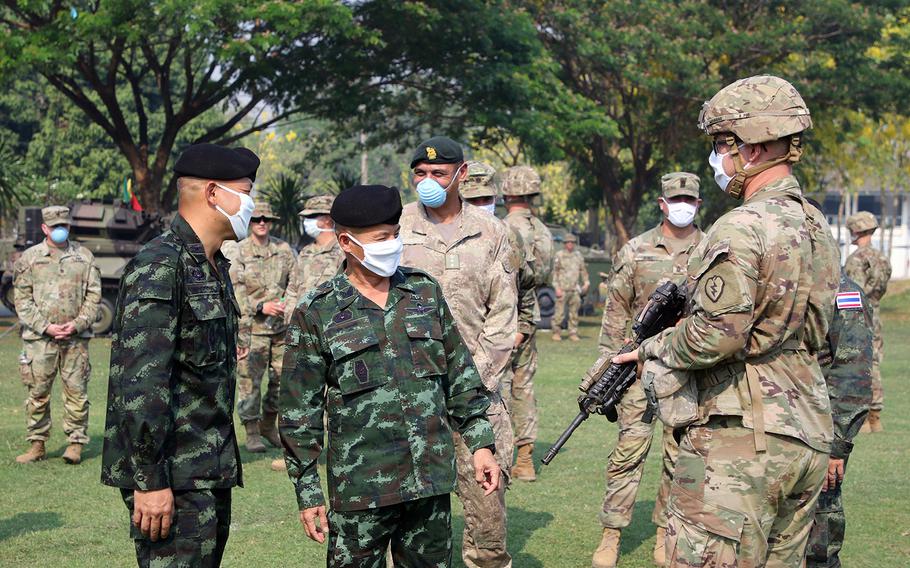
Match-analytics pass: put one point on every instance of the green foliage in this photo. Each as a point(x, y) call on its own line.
point(284, 194)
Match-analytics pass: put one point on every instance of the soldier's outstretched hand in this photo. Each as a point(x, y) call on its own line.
point(308, 518)
point(486, 470)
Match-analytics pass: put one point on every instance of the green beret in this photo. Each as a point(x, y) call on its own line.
point(438, 150)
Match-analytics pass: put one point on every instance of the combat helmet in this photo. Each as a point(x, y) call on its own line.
point(479, 181)
point(861, 222)
point(519, 180)
point(757, 109)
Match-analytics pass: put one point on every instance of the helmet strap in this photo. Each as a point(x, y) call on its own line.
point(737, 184)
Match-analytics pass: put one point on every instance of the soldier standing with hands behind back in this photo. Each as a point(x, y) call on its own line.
point(57, 291)
point(570, 278)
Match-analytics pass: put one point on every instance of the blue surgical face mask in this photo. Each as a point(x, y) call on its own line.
point(431, 193)
point(59, 235)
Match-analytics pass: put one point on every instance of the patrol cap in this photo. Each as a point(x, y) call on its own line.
point(570, 238)
point(438, 150)
point(55, 215)
point(367, 205)
point(679, 183)
point(479, 182)
point(220, 163)
point(861, 222)
point(318, 205)
point(263, 209)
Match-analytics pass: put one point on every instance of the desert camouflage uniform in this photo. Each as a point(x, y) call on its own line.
point(54, 286)
point(643, 264)
point(396, 383)
point(871, 270)
point(846, 361)
point(476, 273)
point(171, 395)
point(315, 264)
point(538, 244)
point(260, 275)
point(750, 468)
point(569, 275)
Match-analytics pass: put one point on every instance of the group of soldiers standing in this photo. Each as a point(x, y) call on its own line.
point(406, 335)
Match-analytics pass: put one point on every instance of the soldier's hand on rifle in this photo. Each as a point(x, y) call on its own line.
point(153, 512)
point(308, 518)
point(486, 471)
point(835, 474)
point(273, 308)
point(630, 357)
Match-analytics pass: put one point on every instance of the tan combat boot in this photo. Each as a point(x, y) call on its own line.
point(574, 337)
point(556, 336)
point(73, 454)
point(865, 428)
point(607, 553)
point(660, 547)
point(268, 428)
point(253, 440)
point(874, 420)
point(34, 453)
point(524, 464)
point(279, 465)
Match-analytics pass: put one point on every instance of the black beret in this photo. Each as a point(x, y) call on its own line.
point(438, 150)
point(367, 205)
point(211, 161)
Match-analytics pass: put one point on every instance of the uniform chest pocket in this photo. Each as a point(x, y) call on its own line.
point(358, 361)
point(427, 350)
point(206, 331)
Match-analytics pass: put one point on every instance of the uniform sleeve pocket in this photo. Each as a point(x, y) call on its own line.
point(427, 349)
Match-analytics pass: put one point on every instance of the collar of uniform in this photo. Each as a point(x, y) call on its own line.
point(185, 232)
point(255, 249)
point(786, 185)
point(521, 212)
point(662, 239)
point(346, 293)
point(45, 249)
point(467, 226)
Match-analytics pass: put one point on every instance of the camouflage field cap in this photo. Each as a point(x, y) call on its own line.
point(264, 209)
point(55, 215)
point(861, 222)
point(479, 182)
point(519, 180)
point(570, 238)
point(319, 205)
point(756, 109)
point(679, 183)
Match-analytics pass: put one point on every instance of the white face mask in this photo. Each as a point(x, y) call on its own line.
point(720, 176)
point(489, 208)
point(312, 229)
point(381, 258)
point(240, 221)
point(681, 214)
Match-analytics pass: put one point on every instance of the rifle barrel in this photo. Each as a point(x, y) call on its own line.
point(581, 417)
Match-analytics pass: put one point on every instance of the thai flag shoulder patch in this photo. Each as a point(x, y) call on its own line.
point(849, 301)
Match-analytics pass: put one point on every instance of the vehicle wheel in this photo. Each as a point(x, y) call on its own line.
point(6, 294)
point(546, 299)
point(105, 319)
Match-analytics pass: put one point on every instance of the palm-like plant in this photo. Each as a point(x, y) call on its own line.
point(285, 194)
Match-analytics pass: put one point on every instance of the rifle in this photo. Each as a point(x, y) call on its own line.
point(664, 308)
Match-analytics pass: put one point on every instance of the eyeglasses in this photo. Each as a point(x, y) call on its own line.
point(721, 144)
point(260, 220)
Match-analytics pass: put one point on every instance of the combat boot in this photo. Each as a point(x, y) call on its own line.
point(73, 454)
point(574, 337)
point(524, 465)
point(268, 428)
point(865, 428)
point(34, 453)
point(253, 440)
point(556, 336)
point(874, 420)
point(607, 553)
point(279, 465)
point(660, 547)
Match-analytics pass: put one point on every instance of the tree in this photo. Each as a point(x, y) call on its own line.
point(147, 71)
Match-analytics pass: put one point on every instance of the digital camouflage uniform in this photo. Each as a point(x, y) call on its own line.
point(644, 263)
point(571, 276)
point(56, 286)
point(476, 273)
point(846, 361)
point(871, 269)
point(396, 383)
point(260, 275)
point(171, 395)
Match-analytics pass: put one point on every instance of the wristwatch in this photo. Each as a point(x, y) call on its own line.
point(259, 307)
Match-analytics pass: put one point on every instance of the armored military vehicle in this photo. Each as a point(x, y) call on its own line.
point(113, 232)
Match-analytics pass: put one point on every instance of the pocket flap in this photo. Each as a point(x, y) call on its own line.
point(352, 339)
point(711, 518)
point(207, 307)
point(423, 328)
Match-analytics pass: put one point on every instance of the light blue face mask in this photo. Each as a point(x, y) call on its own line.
point(431, 193)
point(59, 235)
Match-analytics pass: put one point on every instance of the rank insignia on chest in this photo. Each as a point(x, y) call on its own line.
point(342, 316)
point(452, 261)
point(196, 274)
point(419, 309)
point(849, 301)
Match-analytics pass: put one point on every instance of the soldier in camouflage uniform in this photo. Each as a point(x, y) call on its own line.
point(57, 289)
point(644, 263)
point(169, 441)
point(260, 276)
point(519, 186)
point(468, 252)
point(752, 462)
point(377, 350)
point(871, 270)
point(570, 279)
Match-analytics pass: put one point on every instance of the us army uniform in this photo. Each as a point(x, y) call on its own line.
point(871, 269)
point(476, 272)
point(846, 361)
point(751, 465)
point(56, 286)
point(261, 275)
point(643, 264)
point(538, 241)
point(571, 277)
point(315, 263)
point(172, 380)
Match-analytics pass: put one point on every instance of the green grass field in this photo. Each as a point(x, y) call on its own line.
point(52, 514)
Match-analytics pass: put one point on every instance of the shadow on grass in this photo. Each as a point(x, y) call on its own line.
point(25, 523)
point(640, 529)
